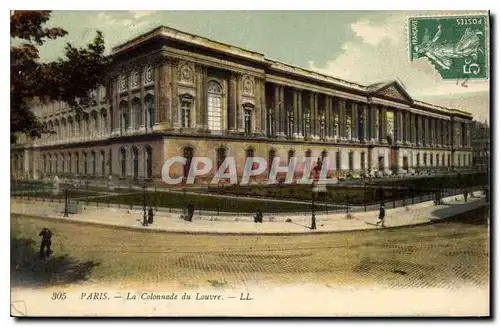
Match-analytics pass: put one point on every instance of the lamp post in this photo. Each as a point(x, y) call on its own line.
point(144, 217)
point(313, 209)
point(66, 200)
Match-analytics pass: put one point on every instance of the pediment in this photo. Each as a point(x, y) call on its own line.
point(393, 90)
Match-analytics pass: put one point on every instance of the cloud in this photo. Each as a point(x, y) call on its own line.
point(140, 14)
point(379, 52)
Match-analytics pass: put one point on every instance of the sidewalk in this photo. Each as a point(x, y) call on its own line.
point(421, 213)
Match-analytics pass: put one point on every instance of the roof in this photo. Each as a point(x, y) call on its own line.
point(184, 37)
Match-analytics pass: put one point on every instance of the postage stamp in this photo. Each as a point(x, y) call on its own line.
point(455, 45)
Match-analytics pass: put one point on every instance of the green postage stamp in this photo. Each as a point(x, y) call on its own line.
point(457, 46)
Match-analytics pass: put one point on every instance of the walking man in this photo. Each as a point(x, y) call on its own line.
point(466, 194)
point(46, 236)
point(258, 217)
point(381, 215)
point(190, 210)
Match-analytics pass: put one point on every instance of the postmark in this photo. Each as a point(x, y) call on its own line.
point(457, 46)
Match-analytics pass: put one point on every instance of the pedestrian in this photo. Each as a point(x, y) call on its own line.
point(190, 210)
point(465, 195)
point(258, 217)
point(150, 215)
point(381, 215)
point(46, 236)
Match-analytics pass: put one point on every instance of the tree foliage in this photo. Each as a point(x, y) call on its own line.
point(69, 79)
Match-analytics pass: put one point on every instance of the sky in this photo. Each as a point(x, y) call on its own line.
point(359, 46)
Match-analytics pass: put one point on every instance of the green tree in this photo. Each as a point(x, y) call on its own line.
point(69, 79)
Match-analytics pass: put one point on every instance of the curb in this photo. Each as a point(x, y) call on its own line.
point(184, 232)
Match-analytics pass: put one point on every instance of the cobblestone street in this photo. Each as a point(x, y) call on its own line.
point(445, 254)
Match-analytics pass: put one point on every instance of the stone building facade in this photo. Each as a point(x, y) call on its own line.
point(170, 93)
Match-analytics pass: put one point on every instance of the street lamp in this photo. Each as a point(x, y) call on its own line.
point(66, 200)
point(144, 218)
point(313, 213)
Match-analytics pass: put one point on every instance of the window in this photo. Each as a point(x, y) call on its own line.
point(103, 163)
point(291, 154)
point(186, 112)
point(248, 120)
point(270, 159)
point(418, 159)
point(432, 159)
point(338, 164)
point(449, 160)
point(425, 159)
point(135, 163)
point(362, 161)
point(351, 161)
point(93, 163)
point(188, 154)
point(149, 103)
point(442, 160)
point(381, 163)
point(85, 163)
point(77, 164)
point(221, 156)
point(215, 106)
point(123, 159)
point(149, 162)
point(125, 116)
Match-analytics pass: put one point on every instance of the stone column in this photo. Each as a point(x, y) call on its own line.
point(342, 125)
point(282, 110)
point(383, 125)
point(260, 85)
point(328, 117)
point(354, 121)
point(174, 97)
point(232, 105)
point(201, 102)
point(376, 123)
point(366, 126)
point(314, 115)
point(296, 116)
point(300, 116)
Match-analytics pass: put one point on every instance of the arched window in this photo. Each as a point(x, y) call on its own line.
point(425, 159)
point(123, 160)
point(49, 158)
point(363, 161)
point(124, 116)
point(77, 163)
point(43, 162)
point(249, 152)
point(432, 159)
point(248, 119)
point(95, 123)
point(418, 159)
point(337, 161)
point(188, 154)
point(63, 129)
point(442, 159)
point(93, 159)
point(70, 164)
point(149, 161)
point(136, 114)
point(71, 130)
point(291, 154)
point(272, 154)
point(103, 163)
point(149, 104)
point(351, 160)
point(135, 163)
point(85, 163)
point(103, 128)
point(221, 156)
point(186, 104)
point(214, 105)
point(57, 130)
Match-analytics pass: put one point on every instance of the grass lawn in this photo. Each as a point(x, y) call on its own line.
point(211, 203)
point(335, 194)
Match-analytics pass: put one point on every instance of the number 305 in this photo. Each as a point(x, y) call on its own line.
point(58, 296)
